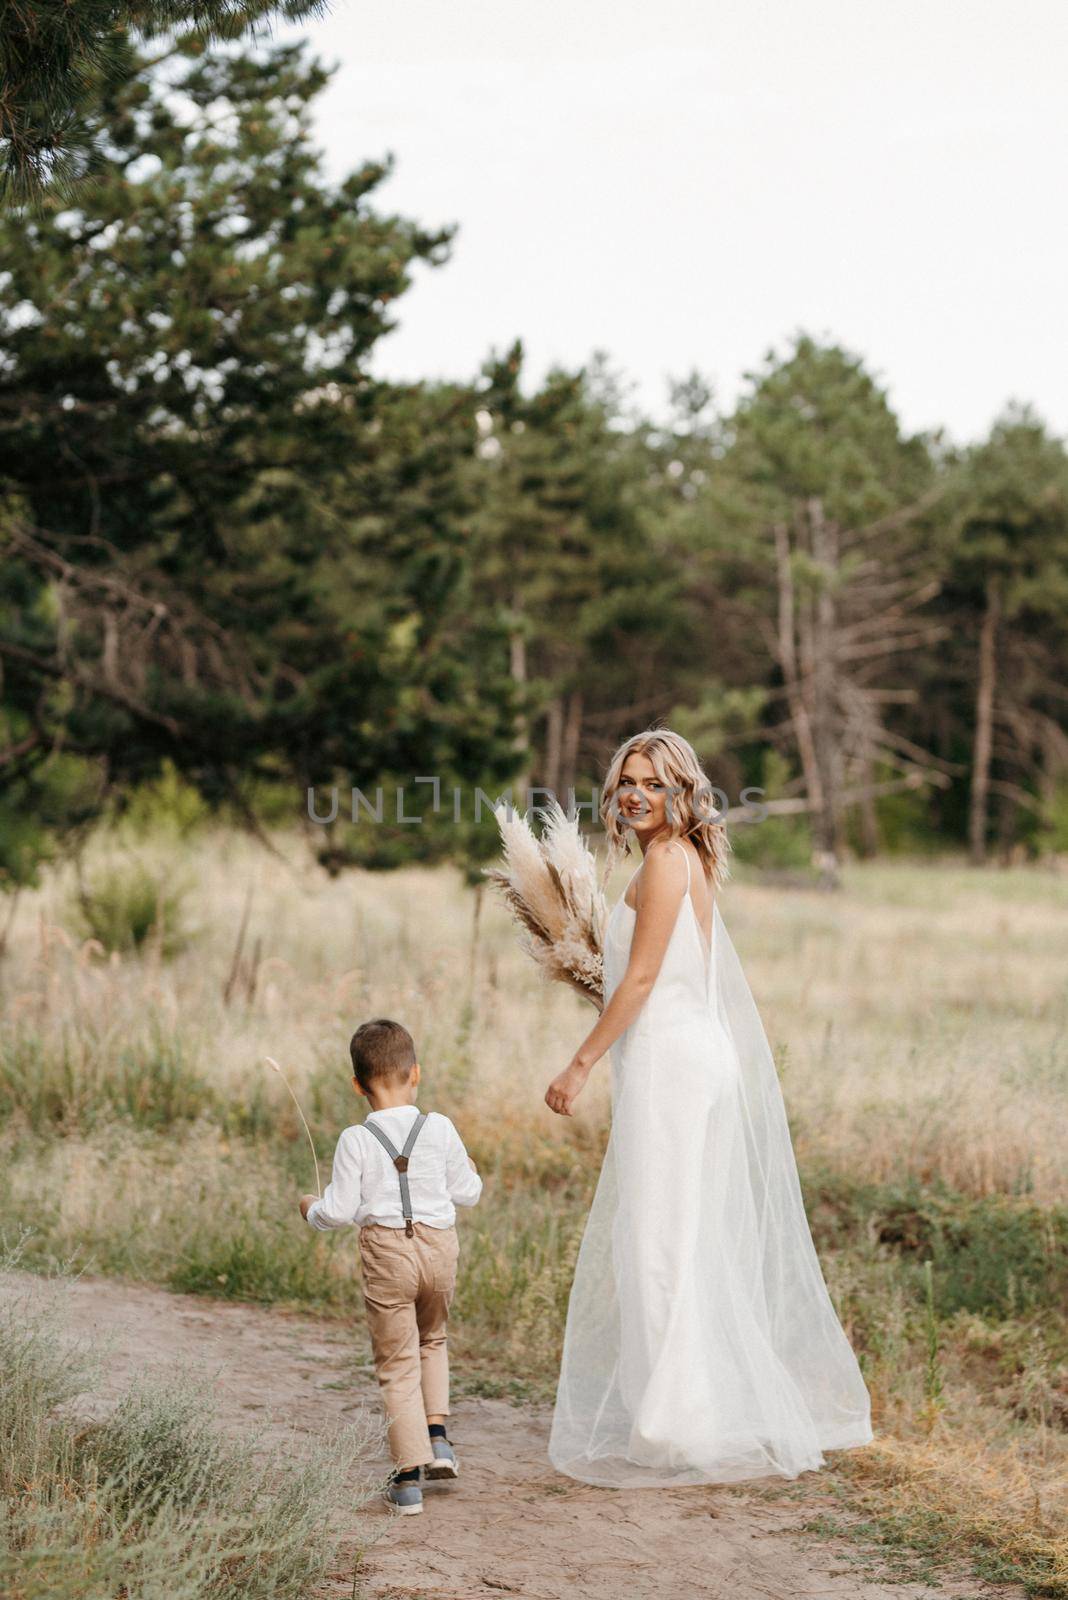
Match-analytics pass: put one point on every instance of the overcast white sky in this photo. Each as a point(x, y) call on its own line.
point(687, 182)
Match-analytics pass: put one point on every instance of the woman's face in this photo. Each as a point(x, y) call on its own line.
point(642, 798)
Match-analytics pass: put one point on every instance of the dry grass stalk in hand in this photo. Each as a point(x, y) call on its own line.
point(553, 890)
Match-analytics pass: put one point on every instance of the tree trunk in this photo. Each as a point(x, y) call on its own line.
point(576, 701)
point(518, 667)
point(1008, 813)
point(984, 725)
point(795, 696)
point(554, 737)
point(869, 821)
point(821, 645)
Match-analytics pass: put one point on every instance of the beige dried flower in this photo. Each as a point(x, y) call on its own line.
point(552, 887)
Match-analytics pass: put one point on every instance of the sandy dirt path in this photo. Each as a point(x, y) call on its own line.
point(510, 1525)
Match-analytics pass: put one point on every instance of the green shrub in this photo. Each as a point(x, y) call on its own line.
point(1053, 832)
point(264, 1259)
point(123, 905)
point(166, 807)
point(994, 1255)
point(154, 1501)
point(780, 844)
point(79, 1081)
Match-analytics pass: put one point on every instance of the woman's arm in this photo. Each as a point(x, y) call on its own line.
point(660, 890)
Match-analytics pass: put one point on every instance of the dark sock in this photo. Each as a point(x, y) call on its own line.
point(409, 1475)
point(437, 1430)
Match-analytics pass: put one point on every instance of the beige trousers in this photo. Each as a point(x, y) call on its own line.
point(408, 1286)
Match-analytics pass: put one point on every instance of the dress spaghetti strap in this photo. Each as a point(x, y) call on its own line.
point(686, 854)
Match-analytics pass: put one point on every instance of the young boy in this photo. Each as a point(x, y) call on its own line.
point(400, 1174)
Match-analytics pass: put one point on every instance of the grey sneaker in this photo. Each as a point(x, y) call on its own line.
point(407, 1497)
point(444, 1464)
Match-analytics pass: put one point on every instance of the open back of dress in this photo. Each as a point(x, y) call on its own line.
point(701, 1343)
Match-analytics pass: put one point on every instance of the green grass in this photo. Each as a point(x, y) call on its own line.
point(81, 1079)
point(151, 1500)
point(997, 1255)
point(223, 1222)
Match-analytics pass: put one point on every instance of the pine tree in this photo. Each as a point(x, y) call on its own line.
point(563, 558)
point(839, 513)
point(1007, 595)
point(224, 543)
point(59, 61)
point(719, 670)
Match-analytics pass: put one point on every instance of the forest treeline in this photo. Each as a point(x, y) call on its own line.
point(233, 556)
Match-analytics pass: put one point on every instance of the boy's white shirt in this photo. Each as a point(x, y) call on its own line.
point(365, 1185)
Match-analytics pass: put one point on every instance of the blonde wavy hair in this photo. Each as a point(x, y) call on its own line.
point(691, 799)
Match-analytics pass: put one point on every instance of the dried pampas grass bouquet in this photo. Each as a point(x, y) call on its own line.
point(552, 887)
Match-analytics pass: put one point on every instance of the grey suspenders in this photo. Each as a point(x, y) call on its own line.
point(401, 1163)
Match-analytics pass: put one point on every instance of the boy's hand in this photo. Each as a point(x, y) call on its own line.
point(306, 1202)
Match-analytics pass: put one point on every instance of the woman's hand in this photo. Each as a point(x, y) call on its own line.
point(561, 1093)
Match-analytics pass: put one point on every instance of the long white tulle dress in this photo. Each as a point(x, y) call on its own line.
point(701, 1343)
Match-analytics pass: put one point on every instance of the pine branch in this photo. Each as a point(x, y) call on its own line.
point(59, 61)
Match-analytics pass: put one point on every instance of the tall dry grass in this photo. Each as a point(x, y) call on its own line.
point(920, 1019)
point(150, 1499)
point(920, 1022)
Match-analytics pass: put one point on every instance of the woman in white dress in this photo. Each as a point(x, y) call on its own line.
point(701, 1343)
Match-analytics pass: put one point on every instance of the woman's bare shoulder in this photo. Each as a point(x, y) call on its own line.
point(671, 850)
point(663, 869)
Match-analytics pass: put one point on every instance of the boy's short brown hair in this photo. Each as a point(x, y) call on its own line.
point(381, 1050)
